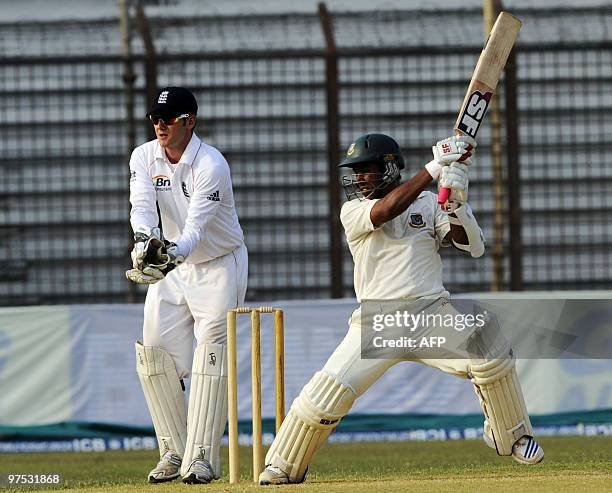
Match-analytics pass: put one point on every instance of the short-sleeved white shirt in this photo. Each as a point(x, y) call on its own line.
point(399, 259)
point(195, 198)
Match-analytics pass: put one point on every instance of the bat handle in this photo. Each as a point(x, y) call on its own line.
point(443, 194)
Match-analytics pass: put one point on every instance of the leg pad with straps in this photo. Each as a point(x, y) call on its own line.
point(207, 406)
point(502, 401)
point(164, 395)
point(314, 414)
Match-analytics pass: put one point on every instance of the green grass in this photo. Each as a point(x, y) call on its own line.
point(571, 464)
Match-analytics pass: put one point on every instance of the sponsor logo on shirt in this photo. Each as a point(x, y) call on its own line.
point(214, 196)
point(132, 175)
point(416, 221)
point(161, 183)
point(185, 192)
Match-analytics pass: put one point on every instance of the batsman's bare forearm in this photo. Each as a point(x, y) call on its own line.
point(399, 199)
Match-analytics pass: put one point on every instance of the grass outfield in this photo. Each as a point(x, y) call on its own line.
point(571, 464)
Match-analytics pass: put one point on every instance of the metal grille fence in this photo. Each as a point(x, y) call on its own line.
point(263, 88)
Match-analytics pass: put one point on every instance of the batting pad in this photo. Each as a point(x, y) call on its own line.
point(502, 401)
point(164, 395)
point(314, 414)
point(207, 406)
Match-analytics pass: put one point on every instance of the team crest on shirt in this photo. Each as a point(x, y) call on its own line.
point(185, 191)
point(416, 221)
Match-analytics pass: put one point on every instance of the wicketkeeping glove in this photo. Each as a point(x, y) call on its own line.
point(148, 275)
point(168, 258)
point(152, 257)
point(147, 247)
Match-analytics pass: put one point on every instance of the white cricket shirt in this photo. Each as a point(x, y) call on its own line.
point(195, 199)
point(399, 259)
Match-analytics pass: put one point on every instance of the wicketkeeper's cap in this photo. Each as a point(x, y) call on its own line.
point(174, 101)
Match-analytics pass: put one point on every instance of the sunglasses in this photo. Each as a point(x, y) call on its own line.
point(155, 119)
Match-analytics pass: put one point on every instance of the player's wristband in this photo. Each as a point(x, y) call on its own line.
point(433, 168)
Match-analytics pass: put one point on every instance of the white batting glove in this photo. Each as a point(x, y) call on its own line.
point(450, 150)
point(455, 177)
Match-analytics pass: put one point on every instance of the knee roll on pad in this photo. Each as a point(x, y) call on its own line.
point(502, 401)
point(324, 401)
point(314, 414)
point(164, 395)
point(207, 406)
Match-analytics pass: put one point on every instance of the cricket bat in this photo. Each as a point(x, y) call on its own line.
point(485, 78)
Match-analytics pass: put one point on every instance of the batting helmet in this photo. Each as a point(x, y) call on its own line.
point(373, 148)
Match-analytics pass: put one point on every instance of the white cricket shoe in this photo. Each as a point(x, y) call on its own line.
point(167, 469)
point(273, 475)
point(200, 472)
point(527, 451)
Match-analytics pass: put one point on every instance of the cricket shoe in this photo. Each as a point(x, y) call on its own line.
point(273, 475)
point(527, 451)
point(200, 472)
point(167, 469)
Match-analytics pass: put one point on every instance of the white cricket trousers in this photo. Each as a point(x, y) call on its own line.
point(192, 302)
point(360, 374)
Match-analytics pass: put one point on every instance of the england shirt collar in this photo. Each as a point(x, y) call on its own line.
point(191, 150)
point(159, 152)
point(189, 154)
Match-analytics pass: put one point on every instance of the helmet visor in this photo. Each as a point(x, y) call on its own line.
point(367, 185)
point(362, 187)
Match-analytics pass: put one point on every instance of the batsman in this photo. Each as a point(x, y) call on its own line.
point(394, 231)
point(196, 271)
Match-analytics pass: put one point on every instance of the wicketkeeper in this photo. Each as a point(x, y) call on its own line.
point(394, 231)
point(196, 272)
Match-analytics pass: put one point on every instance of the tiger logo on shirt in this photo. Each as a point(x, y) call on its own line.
point(416, 221)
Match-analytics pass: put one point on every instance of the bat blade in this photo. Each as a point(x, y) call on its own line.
point(486, 75)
